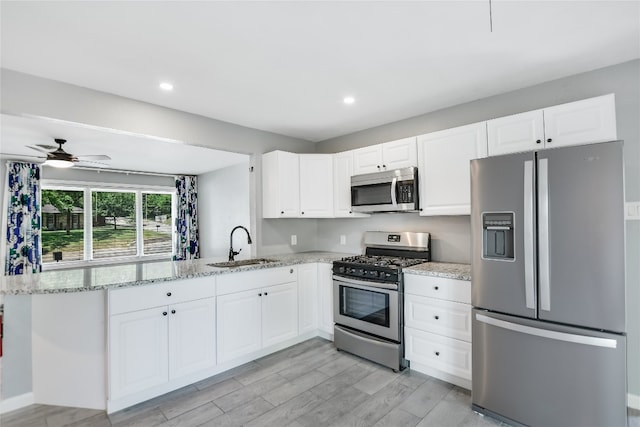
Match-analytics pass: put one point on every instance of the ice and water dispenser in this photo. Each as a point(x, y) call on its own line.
point(497, 236)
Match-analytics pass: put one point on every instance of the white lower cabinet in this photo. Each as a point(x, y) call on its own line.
point(253, 315)
point(158, 334)
point(325, 300)
point(307, 298)
point(438, 327)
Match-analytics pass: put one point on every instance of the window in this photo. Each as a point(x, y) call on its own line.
point(105, 224)
point(62, 225)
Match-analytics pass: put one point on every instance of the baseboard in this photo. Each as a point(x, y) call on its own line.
point(633, 401)
point(17, 402)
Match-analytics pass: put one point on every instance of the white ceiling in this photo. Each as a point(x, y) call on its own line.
point(285, 66)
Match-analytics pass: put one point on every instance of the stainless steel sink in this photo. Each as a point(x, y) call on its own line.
point(242, 262)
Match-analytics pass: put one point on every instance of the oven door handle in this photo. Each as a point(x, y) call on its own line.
point(379, 285)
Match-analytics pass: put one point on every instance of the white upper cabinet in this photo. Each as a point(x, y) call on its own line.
point(444, 172)
point(588, 121)
point(519, 132)
point(297, 185)
point(582, 122)
point(388, 156)
point(342, 172)
point(316, 185)
point(280, 185)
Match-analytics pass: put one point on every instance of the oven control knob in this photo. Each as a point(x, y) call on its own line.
point(341, 270)
point(360, 272)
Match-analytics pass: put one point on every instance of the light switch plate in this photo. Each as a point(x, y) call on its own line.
point(294, 240)
point(632, 211)
point(343, 239)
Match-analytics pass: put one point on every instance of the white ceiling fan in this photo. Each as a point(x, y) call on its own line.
point(58, 158)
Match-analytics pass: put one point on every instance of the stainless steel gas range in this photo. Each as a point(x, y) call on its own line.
point(368, 296)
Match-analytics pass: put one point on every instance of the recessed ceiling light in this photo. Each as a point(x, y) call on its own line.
point(349, 100)
point(166, 86)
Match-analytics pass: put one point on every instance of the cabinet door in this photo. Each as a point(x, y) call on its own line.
point(192, 337)
point(279, 313)
point(316, 185)
point(444, 170)
point(280, 185)
point(307, 298)
point(367, 159)
point(138, 356)
point(325, 298)
point(399, 154)
point(582, 122)
point(342, 172)
point(239, 324)
point(519, 132)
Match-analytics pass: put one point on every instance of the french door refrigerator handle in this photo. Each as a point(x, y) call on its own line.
point(394, 185)
point(529, 283)
point(545, 333)
point(543, 234)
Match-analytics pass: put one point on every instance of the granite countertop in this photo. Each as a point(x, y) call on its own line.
point(140, 273)
point(442, 269)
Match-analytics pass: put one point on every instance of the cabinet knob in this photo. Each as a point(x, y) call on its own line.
point(265, 294)
point(437, 353)
point(384, 166)
point(549, 140)
point(538, 141)
point(173, 312)
point(168, 294)
point(291, 271)
point(259, 295)
point(302, 213)
point(281, 212)
point(436, 317)
point(164, 313)
point(436, 287)
point(350, 212)
point(378, 166)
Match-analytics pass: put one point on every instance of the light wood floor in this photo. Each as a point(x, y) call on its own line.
point(310, 384)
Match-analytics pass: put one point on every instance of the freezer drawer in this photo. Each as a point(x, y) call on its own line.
point(539, 374)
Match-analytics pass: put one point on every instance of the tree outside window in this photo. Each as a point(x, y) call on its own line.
point(62, 225)
point(114, 224)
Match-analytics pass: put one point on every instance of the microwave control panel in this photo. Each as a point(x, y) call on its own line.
point(405, 192)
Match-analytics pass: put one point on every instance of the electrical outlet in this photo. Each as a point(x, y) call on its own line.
point(632, 211)
point(343, 239)
point(294, 240)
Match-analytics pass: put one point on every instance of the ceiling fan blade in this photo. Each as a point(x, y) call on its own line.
point(94, 157)
point(90, 163)
point(42, 148)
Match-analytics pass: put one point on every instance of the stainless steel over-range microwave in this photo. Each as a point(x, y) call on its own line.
point(387, 191)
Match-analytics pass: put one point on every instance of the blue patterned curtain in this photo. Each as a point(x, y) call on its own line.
point(23, 219)
point(187, 242)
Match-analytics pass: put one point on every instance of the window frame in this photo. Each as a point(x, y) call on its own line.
point(87, 189)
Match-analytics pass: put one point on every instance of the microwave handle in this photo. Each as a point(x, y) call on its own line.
point(394, 185)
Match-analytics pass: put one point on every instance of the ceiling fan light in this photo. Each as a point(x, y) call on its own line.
point(55, 163)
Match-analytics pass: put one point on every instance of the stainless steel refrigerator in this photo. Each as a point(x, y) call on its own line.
point(549, 343)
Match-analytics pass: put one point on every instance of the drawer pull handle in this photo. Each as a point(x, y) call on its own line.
point(164, 313)
point(168, 294)
point(436, 317)
point(437, 353)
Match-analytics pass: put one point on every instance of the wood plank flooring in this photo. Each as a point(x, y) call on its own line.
point(310, 384)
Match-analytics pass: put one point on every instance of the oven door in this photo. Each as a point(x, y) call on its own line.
point(367, 306)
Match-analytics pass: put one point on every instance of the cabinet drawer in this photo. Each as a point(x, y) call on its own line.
point(159, 294)
point(238, 282)
point(438, 287)
point(444, 354)
point(451, 319)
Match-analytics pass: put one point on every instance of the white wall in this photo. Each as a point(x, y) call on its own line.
point(223, 203)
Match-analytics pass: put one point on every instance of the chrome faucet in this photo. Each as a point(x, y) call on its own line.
point(232, 253)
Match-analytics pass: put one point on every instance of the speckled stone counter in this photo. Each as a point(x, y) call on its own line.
point(140, 273)
point(442, 269)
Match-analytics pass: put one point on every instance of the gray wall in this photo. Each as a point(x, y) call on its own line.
point(16, 346)
point(622, 79)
